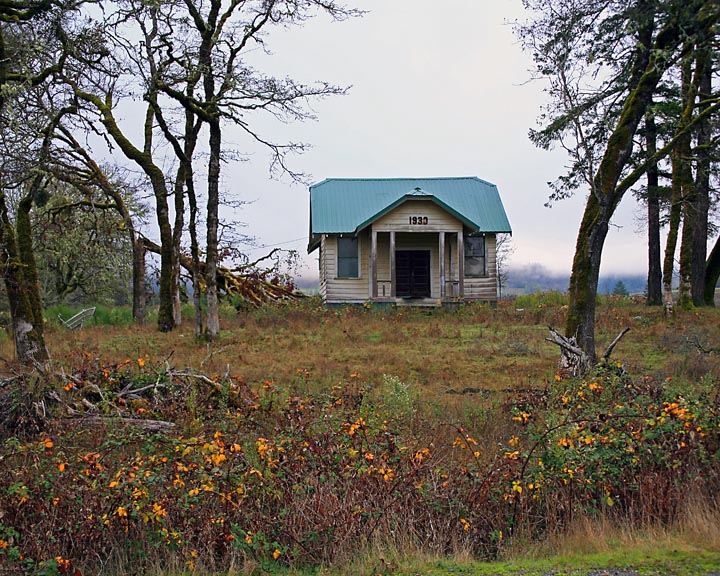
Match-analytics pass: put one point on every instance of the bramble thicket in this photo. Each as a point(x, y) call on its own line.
point(172, 467)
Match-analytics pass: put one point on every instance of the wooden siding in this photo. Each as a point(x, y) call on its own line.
point(438, 220)
point(346, 289)
point(484, 288)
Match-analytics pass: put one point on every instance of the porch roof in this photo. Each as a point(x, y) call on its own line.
point(347, 205)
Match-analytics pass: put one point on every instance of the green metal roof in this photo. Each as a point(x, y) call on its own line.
point(347, 205)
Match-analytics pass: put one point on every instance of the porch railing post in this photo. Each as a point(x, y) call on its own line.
point(393, 291)
point(373, 265)
point(461, 264)
point(441, 259)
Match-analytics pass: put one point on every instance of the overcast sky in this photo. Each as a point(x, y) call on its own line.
point(438, 89)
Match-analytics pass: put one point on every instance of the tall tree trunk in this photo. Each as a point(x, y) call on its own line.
point(179, 196)
point(168, 255)
point(166, 318)
point(212, 324)
point(702, 179)
point(17, 264)
point(673, 233)
point(606, 190)
point(195, 256)
point(682, 171)
point(143, 158)
point(585, 273)
point(213, 318)
point(654, 282)
point(139, 298)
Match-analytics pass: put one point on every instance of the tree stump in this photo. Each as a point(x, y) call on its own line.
point(574, 361)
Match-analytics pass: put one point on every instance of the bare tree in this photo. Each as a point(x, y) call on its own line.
point(504, 251)
point(206, 75)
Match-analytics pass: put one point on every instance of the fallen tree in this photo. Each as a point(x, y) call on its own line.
point(252, 284)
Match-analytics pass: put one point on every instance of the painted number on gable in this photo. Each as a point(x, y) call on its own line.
point(418, 220)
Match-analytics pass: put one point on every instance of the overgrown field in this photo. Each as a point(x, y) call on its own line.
point(310, 437)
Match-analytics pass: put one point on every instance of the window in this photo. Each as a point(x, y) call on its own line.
point(475, 256)
point(347, 262)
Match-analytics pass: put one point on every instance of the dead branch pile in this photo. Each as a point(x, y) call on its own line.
point(93, 396)
point(252, 285)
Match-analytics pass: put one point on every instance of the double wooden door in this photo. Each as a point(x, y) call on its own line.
point(412, 273)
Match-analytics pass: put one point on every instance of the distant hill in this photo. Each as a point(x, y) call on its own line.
point(537, 278)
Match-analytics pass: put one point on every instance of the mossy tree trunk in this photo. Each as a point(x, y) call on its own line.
point(89, 172)
point(195, 256)
point(212, 327)
point(683, 184)
point(144, 159)
point(210, 76)
point(23, 290)
point(694, 190)
point(671, 244)
point(18, 262)
point(611, 179)
point(178, 226)
point(139, 296)
point(607, 190)
point(582, 292)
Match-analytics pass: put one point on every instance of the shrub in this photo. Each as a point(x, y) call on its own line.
point(269, 477)
point(608, 444)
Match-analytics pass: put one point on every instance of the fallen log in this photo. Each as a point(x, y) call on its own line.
point(152, 426)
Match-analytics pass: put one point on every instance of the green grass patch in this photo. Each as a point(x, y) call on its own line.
point(103, 316)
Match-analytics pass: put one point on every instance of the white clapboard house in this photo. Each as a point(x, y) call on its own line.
point(422, 241)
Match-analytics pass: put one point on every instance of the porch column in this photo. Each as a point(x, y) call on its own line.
point(442, 264)
point(393, 291)
point(373, 265)
point(461, 264)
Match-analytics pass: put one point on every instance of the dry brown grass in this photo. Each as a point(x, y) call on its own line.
point(476, 350)
point(698, 528)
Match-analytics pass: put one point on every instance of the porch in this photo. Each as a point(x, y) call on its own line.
point(416, 268)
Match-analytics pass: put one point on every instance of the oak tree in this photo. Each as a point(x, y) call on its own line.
point(604, 62)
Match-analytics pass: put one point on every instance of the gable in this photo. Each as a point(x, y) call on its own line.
point(346, 206)
point(418, 215)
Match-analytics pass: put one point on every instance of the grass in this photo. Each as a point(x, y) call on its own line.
point(477, 347)
point(480, 347)
point(362, 441)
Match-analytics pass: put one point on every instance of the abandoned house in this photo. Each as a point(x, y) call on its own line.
point(416, 241)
